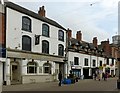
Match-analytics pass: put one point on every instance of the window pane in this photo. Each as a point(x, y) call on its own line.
point(31, 67)
point(26, 24)
point(26, 43)
point(76, 61)
point(31, 70)
point(61, 50)
point(86, 62)
point(46, 69)
point(107, 61)
point(100, 63)
point(45, 30)
point(61, 35)
point(94, 62)
point(45, 47)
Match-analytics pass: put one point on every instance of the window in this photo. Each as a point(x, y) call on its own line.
point(94, 62)
point(107, 61)
point(86, 62)
point(45, 30)
point(100, 63)
point(60, 50)
point(112, 61)
point(26, 23)
point(32, 67)
point(61, 35)
point(47, 68)
point(76, 61)
point(26, 43)
point(45, 46)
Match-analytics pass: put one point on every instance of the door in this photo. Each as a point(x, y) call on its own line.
point(86, 73)
point(15, 73)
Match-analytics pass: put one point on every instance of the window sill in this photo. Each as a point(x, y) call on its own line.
point(27, 30)
point(46, 36)
point(61, 40)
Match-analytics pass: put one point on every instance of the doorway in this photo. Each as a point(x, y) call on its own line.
point(15, 73)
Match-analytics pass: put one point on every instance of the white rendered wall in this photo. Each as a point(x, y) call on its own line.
point(14, 33)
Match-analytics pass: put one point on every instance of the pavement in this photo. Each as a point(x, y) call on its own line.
point(81, 85)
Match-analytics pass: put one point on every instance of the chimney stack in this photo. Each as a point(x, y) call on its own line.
point(69, 33)
point(41, 11)
point(79, 36)
point(95, 41)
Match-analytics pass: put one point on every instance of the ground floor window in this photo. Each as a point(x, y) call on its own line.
point(32, 67)
point(47, 68)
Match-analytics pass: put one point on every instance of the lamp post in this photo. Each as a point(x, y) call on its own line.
point(118, 81)
point(118, 60)
point(66, 64)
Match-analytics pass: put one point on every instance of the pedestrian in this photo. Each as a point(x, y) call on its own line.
point(103, 75)
point(60, 78)
point(98, 76)
point(95, 76)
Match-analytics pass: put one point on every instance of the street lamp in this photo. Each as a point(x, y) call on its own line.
point(118, 60)
point(118, 81)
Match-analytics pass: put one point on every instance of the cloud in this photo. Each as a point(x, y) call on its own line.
point(82, 16)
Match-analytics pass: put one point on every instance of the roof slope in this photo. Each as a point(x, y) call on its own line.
point(32, 14)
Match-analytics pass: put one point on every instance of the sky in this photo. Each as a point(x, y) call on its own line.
point(94, 18)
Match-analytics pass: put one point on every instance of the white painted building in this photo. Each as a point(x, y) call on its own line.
point(85, 64)
point(35, 46)
point(86, 58)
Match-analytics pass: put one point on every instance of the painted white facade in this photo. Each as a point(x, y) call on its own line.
point(90, 66)
point(15, 55)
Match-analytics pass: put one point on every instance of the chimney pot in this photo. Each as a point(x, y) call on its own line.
point(69, 33)
point(41, 11)
point(95, 41)
point(79, 36)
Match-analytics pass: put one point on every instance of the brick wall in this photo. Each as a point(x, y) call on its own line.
point(2, 30)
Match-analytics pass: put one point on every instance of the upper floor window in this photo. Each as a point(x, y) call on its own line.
point(112, 61)
point(26, 43)
point(45, 30)
point(76, 61)
point(100, 63)
point(94, 62)
point(86, 62)
point(107, 61)
point(26, 23)
point(45, 46)
point(61, 35)
point(32, 67)
point(60, 50)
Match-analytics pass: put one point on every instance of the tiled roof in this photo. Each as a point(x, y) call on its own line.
point(32, 14)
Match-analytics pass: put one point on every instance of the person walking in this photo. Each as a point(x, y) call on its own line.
point(60, 78)
point(105, 77)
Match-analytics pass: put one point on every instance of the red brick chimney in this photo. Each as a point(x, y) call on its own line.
point(69, 33)
point(106, 47)
point(95, 41)
point(41, 11)
point(79, 36)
